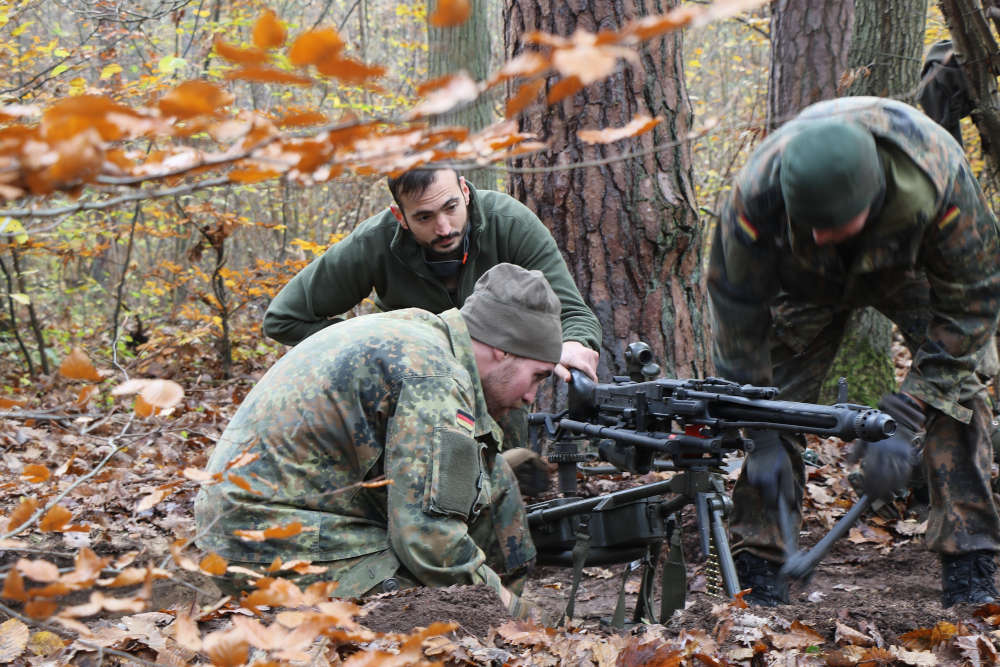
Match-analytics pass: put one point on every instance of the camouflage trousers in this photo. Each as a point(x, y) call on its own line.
point(957, 458)
point(500, 531)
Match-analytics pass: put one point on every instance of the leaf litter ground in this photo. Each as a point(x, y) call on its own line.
point(873, 600)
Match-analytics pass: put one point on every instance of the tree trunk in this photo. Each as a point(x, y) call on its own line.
point(628, 225)
point(809, 41)
point(886, 49)
point(977, 50)
point(464, 47)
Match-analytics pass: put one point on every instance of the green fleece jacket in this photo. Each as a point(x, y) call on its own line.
point(379, 254)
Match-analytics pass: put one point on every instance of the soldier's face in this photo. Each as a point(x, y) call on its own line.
point(842, 233)
point(438, 216)
point(513, 383)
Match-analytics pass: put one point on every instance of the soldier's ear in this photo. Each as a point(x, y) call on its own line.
point(398, 214)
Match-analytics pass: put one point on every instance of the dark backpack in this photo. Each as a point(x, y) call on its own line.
point(944, 91)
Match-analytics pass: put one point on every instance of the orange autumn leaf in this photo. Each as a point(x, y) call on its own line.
point(226, 647)
point(86, 392)
point(261, 74)
point(194, 98)
point(22, 513)
point(525, 95)
point(143, 408)
point(13, 586)
point(653, 26)
point(242, 483)
point(39, 609)
point(38, 570)
point(303, 119)
point(268, 33)
point(235, 54)
point(314, 46)
point(77, 366)
point(450, 13)
point(640, 124)
point(274, 533)
point(252, 175)
point(213, 563)
point(349, 70)
point(563, 89)
point(55, 519)
point(35, 473)
point(6, 403)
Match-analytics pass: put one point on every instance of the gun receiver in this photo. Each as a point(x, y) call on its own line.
point(687, 426)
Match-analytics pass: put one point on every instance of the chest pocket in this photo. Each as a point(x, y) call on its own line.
point(458, 485)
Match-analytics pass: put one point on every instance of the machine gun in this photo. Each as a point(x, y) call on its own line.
point(688, 426)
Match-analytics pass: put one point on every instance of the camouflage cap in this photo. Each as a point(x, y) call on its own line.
point(514, 309)
point(830, 172)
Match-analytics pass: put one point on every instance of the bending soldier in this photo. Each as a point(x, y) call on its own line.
point(411, 396)
point(864, 202)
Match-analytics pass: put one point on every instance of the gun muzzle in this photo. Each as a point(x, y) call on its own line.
point(874, 425)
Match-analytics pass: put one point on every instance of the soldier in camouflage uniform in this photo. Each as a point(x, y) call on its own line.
point(864, 202)
point(409, 396)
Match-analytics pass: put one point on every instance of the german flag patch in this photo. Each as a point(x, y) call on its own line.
point(948, 217)
point(747, 227)
point(465, 420)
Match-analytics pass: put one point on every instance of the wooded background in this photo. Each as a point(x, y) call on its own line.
point(169, 270)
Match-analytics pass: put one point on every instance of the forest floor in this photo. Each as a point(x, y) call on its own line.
point(97, 568)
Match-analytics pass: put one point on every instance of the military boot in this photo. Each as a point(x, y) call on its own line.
point(968, 578)
point(769, 589)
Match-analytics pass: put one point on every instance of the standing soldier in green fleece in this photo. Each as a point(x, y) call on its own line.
point(858, 202)
point(409, 396)
point(427, 251)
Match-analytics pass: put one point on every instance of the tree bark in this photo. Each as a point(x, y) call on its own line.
point(887, 48)
point(979, 54)
point(464, 47)
point(628, 226)
point(809, 42)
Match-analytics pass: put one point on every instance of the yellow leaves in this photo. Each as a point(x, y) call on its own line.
point(154, 396)
point(77, 366)
point(194, 98)
point(640, 124)
point(274, 533)
point(449, 13)
point(110, 70)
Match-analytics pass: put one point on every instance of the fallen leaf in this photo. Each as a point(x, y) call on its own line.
point(213, 564)
point(77, 366)
point(55, 519)
point(13, 639)
point(44, 643)
point(799, 635)
point(848, 635)
point(35, 473)
point(38, 570)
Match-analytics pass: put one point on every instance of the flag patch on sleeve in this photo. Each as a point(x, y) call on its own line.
point(948, 217)
point(465, 420)
point(747, 227)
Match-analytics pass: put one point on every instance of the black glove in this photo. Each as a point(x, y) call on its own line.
point(887, 464)
point(769, 469)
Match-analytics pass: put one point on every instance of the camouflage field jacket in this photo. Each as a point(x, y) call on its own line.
point(932, 249)
point(395, 394)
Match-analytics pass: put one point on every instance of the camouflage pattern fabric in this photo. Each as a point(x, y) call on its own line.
point(395, 394)
point(928, 260)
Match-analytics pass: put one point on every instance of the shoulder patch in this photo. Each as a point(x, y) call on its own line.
point(747, 227)
point(465, 420)
point(948, 217)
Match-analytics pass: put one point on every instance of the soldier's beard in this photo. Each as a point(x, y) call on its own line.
point(496, 391)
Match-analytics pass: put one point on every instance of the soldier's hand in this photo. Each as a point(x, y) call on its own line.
point(769, 469)
point(531, 470)
point(577, 355)
point(888, 464)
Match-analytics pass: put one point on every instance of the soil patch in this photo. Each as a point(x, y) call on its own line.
point(475, 608)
